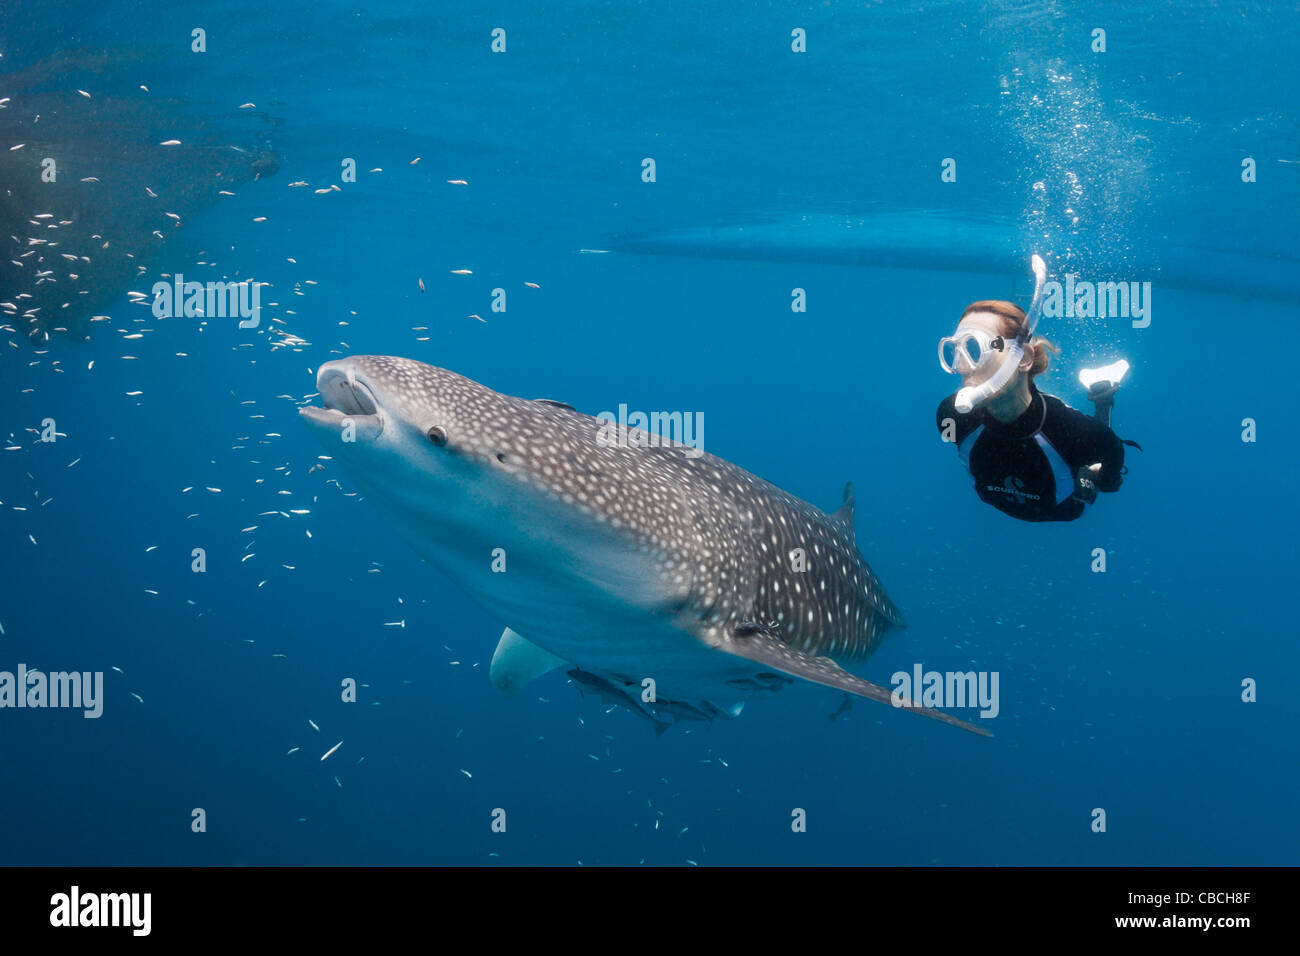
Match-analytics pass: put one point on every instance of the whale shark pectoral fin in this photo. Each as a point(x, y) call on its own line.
point(517, 662)
point(771, 652)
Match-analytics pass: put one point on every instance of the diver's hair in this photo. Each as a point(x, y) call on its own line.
point(1011, 320)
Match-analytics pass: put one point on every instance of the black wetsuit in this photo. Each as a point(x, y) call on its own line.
point(1029, 468)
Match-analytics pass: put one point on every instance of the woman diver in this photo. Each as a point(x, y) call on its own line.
point(1032, 456)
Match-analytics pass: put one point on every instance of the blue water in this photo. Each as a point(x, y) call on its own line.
point(1119, 690)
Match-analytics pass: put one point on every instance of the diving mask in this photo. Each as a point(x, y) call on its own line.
point(971, 349)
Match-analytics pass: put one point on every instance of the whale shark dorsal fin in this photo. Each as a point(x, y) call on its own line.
point(553, 403)
point(770, 651)
point(517, 662)
point(845, 511)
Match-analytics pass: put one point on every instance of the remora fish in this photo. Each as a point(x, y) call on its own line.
point(625, 561)
point(616, 696)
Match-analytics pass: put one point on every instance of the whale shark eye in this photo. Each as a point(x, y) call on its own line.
point(438, 435)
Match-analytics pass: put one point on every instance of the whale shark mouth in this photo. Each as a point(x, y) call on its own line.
point(344, 398)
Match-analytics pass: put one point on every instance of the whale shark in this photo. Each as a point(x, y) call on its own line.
point(940, 241)
point(91, 194)
point(654, 570)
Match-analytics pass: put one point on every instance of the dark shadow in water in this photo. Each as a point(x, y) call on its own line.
point(77, 220)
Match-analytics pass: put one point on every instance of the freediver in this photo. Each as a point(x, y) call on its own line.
point(1031, 456)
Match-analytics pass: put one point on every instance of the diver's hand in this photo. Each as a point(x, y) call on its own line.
point(1103, 392)
point(1103, 399)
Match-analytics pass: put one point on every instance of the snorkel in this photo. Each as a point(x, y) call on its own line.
point(971, 397)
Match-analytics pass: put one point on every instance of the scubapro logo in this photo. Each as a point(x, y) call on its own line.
point(1014, 489)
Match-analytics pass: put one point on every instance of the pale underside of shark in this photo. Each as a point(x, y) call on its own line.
point(666, 578)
